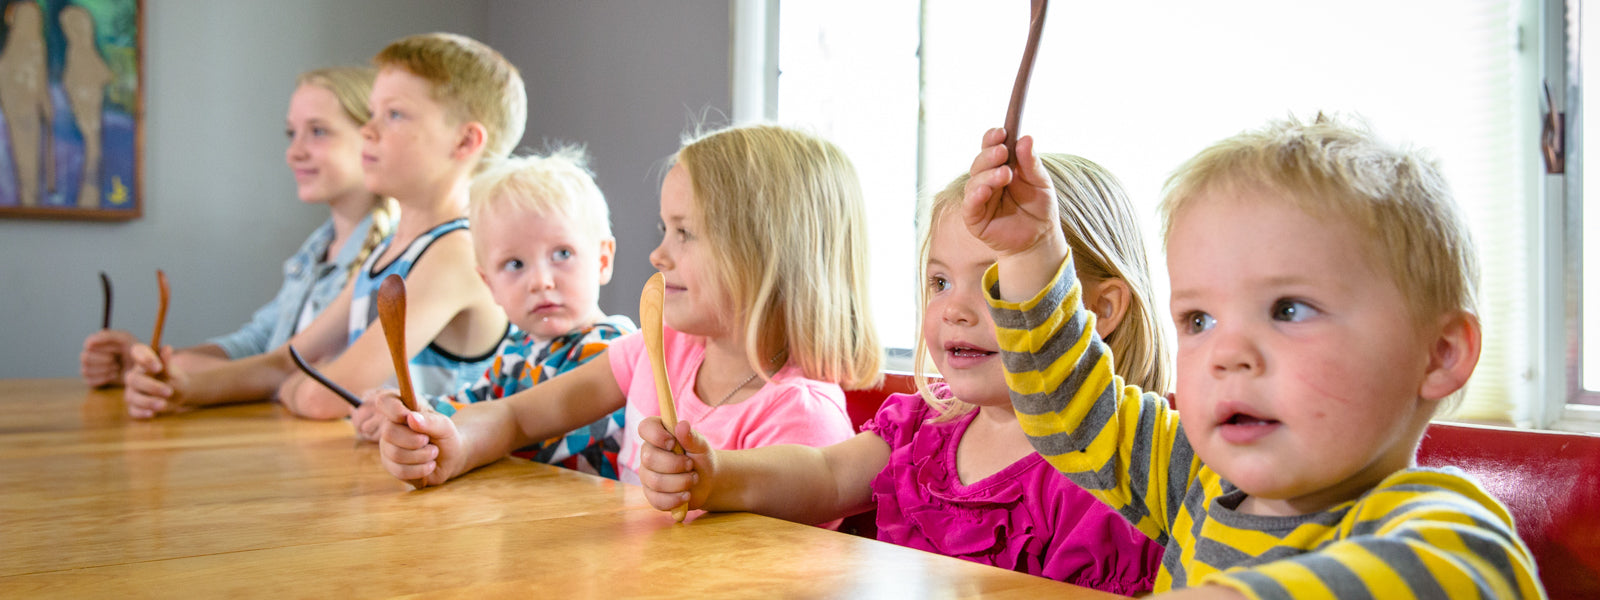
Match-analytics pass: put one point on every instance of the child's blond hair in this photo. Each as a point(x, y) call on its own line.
point(1395, 197)
point(558, 184)
point(472, 81)
point(785, 214)
point(1107, 243)
point(351, 86)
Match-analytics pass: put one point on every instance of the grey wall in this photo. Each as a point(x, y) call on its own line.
point(220, 213)
point(626, 78)
point(623, 77)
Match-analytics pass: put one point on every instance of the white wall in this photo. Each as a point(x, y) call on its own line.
point(220, 212)
point(626, 78)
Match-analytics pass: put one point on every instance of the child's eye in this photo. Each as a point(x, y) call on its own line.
point(683, 235)
point(661, 228)
point(937, 283)
point(318, 131)
point(1292, 310)
point(561, 255)
point(1196, 322)
point(394, 114)
point(288, 133)
point(511, 265)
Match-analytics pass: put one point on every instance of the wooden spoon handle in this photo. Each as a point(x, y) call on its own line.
point(161, 318)
point(105, 291)
point(161, 311)
point(1019, 90)
point(650, 321)
point(392, 315)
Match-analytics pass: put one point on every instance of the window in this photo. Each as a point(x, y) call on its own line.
point(908, 87)
point(1580, 278)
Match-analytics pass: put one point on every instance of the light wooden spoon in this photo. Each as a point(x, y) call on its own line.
point(161, 316)
point(650, 321)
point(392, 315)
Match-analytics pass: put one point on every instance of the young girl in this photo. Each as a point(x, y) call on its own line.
point(325, 114)
point(950, 471)
point(444, 106)
point(762, 254)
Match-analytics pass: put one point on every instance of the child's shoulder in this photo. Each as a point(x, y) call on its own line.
point(1430, 493)
point(901, 416)
point(611, 326)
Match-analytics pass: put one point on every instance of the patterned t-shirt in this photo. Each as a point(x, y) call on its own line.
point(522, 362)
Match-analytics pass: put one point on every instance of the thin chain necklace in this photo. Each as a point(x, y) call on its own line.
point(746, 381)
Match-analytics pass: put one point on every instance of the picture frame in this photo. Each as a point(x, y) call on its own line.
point(71, 109)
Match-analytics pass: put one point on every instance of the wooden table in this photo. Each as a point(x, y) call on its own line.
point(248, 501)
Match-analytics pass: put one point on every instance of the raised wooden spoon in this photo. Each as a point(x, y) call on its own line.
point(161, 317)
point(1019, 89)
point(650, 321)
point(392, 315)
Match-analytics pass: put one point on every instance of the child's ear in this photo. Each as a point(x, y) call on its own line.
point(1452, 355)
point(473, 138)
point(1111, 300)
point(608, 252)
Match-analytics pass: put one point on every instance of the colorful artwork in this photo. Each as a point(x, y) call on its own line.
point(70, 106)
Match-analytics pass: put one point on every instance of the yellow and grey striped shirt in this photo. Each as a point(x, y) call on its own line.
point(1421, 533)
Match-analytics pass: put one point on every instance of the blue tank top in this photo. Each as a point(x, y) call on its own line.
point(434, 370)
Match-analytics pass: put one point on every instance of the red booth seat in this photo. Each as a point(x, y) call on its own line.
point(1549, 480)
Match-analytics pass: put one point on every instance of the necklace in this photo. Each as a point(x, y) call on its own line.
point(746, 381)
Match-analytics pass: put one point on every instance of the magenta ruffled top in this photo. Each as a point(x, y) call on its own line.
point(1027, 517)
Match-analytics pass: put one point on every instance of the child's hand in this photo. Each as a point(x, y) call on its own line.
point(671, 479)
point(367, 419)
point(415, 445)
point(103, 360)
point(148, 390)
point(1010, 212)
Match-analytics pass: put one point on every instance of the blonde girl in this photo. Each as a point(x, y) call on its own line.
point(326, 111)
point(949, 470)
point(763, 249)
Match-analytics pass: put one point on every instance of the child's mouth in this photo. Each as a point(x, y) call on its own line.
point(1243, 428)
point(960, 356)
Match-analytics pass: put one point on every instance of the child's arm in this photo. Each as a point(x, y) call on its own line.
point(247, 379)
point(1122, 446)
point(418, 445)
point(789, 482)
point(441, 290)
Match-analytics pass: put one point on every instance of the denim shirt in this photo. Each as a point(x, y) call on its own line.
point(309, 285)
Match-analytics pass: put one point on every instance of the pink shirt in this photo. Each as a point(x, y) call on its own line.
point(791, 409)
point(1026, 517)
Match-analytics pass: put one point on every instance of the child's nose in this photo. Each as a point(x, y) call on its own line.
point(369, 130)
point(957, 313)
point(658, 257)
point(541, 278)
point(1234, 352)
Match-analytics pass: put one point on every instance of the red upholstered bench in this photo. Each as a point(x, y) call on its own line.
point(1549, 480)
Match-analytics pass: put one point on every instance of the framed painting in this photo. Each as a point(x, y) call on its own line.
point(71, 108)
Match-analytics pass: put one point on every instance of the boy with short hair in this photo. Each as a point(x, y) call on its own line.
point(1322, 284)
point(542, 236)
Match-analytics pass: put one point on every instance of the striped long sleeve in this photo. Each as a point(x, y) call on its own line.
point(1421, 533)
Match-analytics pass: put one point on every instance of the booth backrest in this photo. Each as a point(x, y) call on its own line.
point(1549, 480)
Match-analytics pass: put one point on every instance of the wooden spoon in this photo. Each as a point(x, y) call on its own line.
point(105, 291)
point(161, 317)
point(392, 314)
point(1019, 90)
point(650, 321)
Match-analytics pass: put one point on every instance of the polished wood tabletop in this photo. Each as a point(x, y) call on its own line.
point(248, 501)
